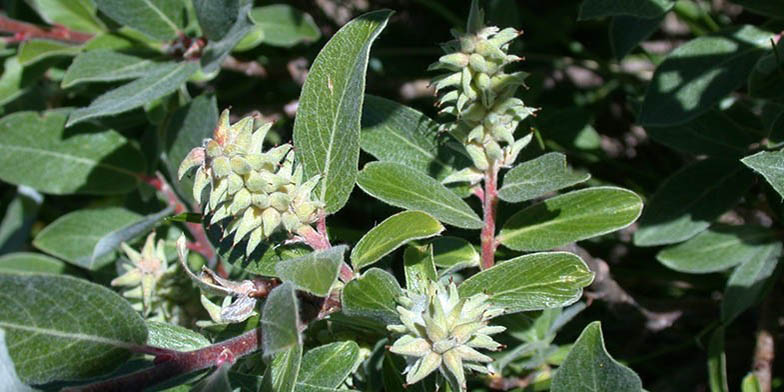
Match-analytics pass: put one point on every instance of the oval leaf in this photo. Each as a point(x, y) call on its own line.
point(315, 272)
point(407, 188)
point(589, 367)
point(392, 233)
point(571, 217)
point(716, 249)
point(532, 282)
point(155, 18)
point(324, 368)
point(748, 281)
point(174, 337)
point(55, 333)
point(537, 177)
point(285, 26)
point(29, 262)
point(454, 253)
point(326, 129)
point(372, 295)
point(39, 153)
point(714, 133)
point(280, 320)
point(104, 65)
point(770, 165)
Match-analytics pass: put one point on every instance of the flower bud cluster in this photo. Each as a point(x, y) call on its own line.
point(442, 331)
point(480, 95)
point(145, 275)
point(259, 192)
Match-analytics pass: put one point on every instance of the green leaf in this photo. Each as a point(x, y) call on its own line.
point(112, 240)
point(393, 232)
point(419, 267)
point(55, 331)
point(717, 249)
point(216, 17)
point(104, 65)
point(626, 32)
point(713, 134)
point(174, 337)
point(532, 282)
point(750, 384)
point(280, 320)
point(188, 127)
point(324, 368)
point(717, 362)
point(157, 19)
point(748, 281)
point(77, 15)
point(766, 80)
point(137, 93)
point(392, 132)
point(407, 188)
point(35, 50)
point(372, 295)
point(589, 367)
point(73, 236)
point(217, 381)
point(19, 218)
point(285, 26)
point(281, 375)
point(315, 272)
point(769, 164)
point(687, 202)
point(40, 153)
point(767, 8)
point(699, 73)
point(592, 9)
point(31, 263)
point(537, 177)
point(16, 80)
point(571, 217)
point(217, 51)
point(8, 377)
point(454, 253)
point(326, 129)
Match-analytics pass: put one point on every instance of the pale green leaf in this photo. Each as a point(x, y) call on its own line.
point(537, 177)
point(315, 272)
point(592, 9)
point(748, 281)
point(280, 320)
point(73, 236)
point(571, 217)
point(769, 164)
point(8, 377)
point(112, 240)
point(40, 153)
point(326, 129)
point(282, 373)
point(216, 17)
point(687, 202)
point(750, 384)
point(717, 362)
point(16, 80)
point(137, 93)
point(29, 262)
point(532, 282)
point(717, 249)
point(454, 253)
point(589, 367)
point(372, 295)
point(699, 73)
point(324, 368)
point(393, 132)
point(35, 50)
point(285, 26)
point(18, 219)
point(77, 15)
point(395, 231)
point(174, 337)
point(63, 328)
point(419, 267)
point(104, 65)
point(407, 188)
point(158, 19)
point(216, 51)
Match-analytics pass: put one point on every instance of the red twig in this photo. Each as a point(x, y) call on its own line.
point(176, 363)
point(489, 206)
point(23, 31)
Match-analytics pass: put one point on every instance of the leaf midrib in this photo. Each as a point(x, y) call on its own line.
point(67, 335)
point(63, 156)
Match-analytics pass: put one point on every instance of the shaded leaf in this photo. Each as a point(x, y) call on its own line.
point(769, 164)
point(589, 367)
point(687, 202)
point(216, 17)
point(748, 281)
point(39, 153)
point(591, 9)
point(324, 368)
point(537, 177)
point(393, 232)
point(454, 253)
point(407, 188)
point(109, 242)
point(217, 51)
point(717, 362)
point(571, 217)
point(281, 375)
point(55, 333)
point(531, 282)
point(78, 15)
point(767, 78)
point(626, 32)
point(768, 8)
point(280, 320)
point(31, 263)
point(18, 219)
point(372, 295)
point(34, 50)
point(157, 19)
point(315, 272)
point(174, 337)
point(419, 267)
point(714, 133)
point(717, 249)
point(326, 129)
point(217, 381)
point(104, 65)
point(285, 26)
point(699, 73)
point(160, 83)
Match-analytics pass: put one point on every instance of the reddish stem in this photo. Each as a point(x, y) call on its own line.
point(23, 31)
point(489, 206)
point(176, 363)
